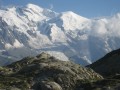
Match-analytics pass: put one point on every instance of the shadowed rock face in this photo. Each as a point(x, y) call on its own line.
point(109, 68)
point(45, 72)
point(109, 64)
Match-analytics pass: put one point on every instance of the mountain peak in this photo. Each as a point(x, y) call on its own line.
point(65, 34)
point(72, 21)
point(70, 14)
point(34, 7)
point(12, 9)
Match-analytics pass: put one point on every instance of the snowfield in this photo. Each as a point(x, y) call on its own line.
point(30, 30)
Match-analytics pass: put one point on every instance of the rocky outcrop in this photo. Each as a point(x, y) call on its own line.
point(108, 65)
point(109, 68)
point(44, 72)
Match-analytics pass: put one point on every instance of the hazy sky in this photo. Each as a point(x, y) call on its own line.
point(86, 8)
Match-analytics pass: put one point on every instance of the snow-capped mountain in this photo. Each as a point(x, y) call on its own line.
point(31, 29)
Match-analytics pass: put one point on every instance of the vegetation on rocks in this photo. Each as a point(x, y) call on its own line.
point(44, 72)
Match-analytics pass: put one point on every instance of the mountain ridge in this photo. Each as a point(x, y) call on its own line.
point(108, 65)
point(31, 29)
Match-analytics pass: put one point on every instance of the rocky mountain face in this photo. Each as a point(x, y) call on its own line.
point(29, 30)
point(108, 65)
point(45, 72)
point(109, 68)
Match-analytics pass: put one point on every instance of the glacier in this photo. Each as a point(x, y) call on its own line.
point(31, 29)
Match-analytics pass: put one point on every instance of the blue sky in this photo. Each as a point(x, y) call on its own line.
point(86, 8)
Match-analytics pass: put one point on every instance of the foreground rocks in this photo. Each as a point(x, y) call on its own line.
point(45, 72)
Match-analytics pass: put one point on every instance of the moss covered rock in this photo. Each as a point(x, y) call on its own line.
point(44, 72)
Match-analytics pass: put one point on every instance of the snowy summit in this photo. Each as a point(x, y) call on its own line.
point(31, 29)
